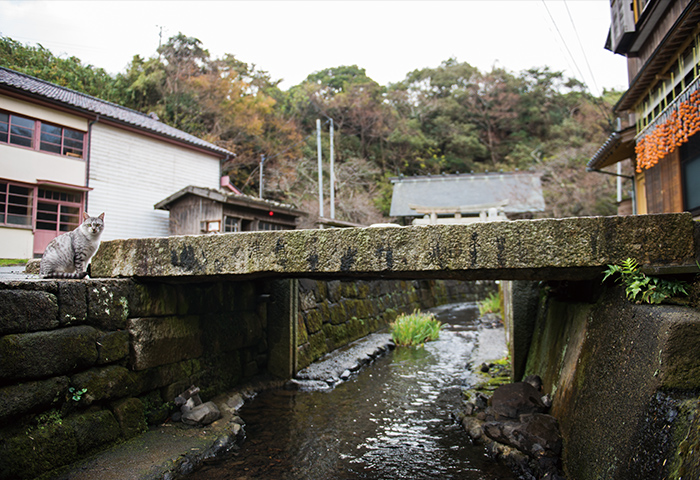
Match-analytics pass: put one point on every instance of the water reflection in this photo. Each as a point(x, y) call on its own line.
point(393, 420)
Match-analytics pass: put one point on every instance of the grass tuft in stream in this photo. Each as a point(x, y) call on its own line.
point(415, 329)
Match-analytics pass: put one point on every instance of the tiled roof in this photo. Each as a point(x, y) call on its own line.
point(519, 192)
point(12, 80)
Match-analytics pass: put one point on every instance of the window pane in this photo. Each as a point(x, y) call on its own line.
point(690, 160)
point(50, 138)
point(19, 205)
point(70, 218)
point(46, 216)
point(4, 126)
point(230, 224)
point(692, 184)
point(73, 142)
point(21, 131)
point(3, 201)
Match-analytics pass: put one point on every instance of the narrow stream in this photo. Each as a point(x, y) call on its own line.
point(394, 420)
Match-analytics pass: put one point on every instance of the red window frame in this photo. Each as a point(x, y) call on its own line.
point(57, 210)
point(44, 137)
point(16, 204)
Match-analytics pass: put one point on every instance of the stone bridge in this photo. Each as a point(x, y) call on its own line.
point(547, 249)
point(161, 314)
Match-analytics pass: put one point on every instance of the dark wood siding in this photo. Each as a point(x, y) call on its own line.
point(663, 186)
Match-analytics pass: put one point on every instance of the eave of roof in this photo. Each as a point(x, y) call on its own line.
point(229, 199)
point(618, 147)
point(27, 86)
point(646, 77)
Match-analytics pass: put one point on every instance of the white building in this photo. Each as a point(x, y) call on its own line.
point(63, 152)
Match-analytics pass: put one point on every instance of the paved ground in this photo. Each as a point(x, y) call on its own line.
point(15, 273)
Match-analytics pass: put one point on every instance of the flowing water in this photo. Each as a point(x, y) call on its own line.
point(394, 420)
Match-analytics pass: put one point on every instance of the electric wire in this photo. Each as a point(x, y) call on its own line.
point(585, 57)
point(564, 42)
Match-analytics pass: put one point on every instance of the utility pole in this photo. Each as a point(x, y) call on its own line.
point(320, 168)
point(332, 176)
point(160, 38)
point(262, 162)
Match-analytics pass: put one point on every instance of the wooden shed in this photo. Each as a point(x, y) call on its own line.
point(194, 210)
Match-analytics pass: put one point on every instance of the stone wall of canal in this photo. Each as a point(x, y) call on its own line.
point(84, 364)
point(624, 378)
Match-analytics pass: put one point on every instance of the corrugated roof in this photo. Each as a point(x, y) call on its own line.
point(520, 191)
point(72, 99)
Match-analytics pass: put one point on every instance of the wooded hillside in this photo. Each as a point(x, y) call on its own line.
point(450, 118)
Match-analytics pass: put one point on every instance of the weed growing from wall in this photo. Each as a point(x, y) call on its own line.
point(642, 288)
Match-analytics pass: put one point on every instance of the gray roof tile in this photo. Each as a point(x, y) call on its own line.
point(48, 91)
point(520, 191)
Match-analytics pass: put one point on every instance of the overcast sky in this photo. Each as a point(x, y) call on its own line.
point(291, 39)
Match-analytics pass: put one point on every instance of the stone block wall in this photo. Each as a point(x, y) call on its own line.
point(335, 313)
point(87, 363)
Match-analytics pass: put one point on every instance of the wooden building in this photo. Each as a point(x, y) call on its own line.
point(195, 210)
point(659, 115)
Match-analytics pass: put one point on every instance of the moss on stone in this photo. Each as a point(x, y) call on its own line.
point(93, 429)
point(156, 410)
point(112, 347)
point(337, 314)
point(131, 416)
point(302, 331)
point(30, 454)
point(43, 354)
point(314, 320)
point(686, 439)
point(106, 383)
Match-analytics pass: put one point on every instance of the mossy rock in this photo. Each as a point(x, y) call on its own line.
point(314, 320)
point(43, 354)
point(27, 311)
point(156, 410)
point(106, 383)
point(302, 330)
point(131, 416)
point(93, 429)
point(24, 397)
point(337, 314)
point(686, 436)
point(312, 351)
point(112, 347)
point(31, 454)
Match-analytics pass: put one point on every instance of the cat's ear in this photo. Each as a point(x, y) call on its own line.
point(102, 216)
point(85, 216)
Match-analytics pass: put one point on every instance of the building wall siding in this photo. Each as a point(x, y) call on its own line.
point(16, 242)
point(43, 113)
point(25, 165)
point(130, 173)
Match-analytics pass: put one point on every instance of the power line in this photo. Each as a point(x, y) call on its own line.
point(564, 41)
point(585, 57)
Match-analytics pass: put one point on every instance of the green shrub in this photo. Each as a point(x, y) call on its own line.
point(491, 304)
point(415, 329)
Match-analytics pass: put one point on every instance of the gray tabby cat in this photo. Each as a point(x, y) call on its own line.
point(68, 255)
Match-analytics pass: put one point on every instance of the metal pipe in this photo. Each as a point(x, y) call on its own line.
point(320, 168)
point(332, 175)
point(262, 162)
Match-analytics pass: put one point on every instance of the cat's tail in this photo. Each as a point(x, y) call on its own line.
point(65, 275)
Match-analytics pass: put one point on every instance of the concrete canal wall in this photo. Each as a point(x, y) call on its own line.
point(84, 364)
point(624, 377)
